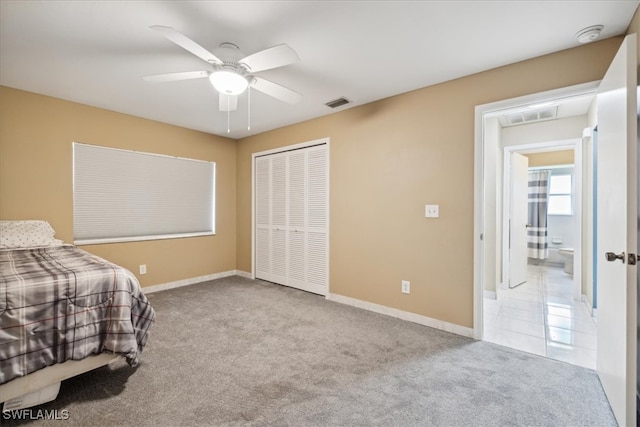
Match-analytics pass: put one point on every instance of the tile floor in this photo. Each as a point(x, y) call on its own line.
point(541, 317)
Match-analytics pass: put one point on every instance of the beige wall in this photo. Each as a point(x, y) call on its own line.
point(551, 158)
point(390, 158)
point(36, 133)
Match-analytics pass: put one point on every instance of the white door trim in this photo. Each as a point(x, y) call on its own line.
point(481, 112)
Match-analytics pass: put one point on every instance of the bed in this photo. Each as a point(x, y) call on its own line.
point(63, 311)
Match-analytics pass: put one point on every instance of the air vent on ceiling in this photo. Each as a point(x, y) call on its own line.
point(337, 102)
point(529, 116)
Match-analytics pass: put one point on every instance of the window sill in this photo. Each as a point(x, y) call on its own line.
point(140, 238)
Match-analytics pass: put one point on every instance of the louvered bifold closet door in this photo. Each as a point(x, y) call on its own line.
point(263, 218)
point(279, 218)
point(317, 208)
point(291, 217)
point(297, 219)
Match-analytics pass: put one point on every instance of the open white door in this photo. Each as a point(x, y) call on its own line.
point(617, 228)
point(519, 196)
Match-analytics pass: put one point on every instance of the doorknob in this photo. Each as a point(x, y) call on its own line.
point(612, 257)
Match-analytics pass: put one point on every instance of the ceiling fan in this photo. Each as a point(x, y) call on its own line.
point(232, 72)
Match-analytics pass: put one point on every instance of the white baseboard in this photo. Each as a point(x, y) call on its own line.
point(404, 315)
point(193, 281)
point(245, 274)
point(377, 308)
point(490, 294)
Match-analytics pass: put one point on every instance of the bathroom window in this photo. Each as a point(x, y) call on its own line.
point(560, 195)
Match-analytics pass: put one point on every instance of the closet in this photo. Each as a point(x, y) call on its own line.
point(291, 217)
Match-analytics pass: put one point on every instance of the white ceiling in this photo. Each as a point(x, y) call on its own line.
point(96, 52)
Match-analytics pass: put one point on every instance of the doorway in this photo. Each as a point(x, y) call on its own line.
point(561, 159)
point(543, 310)
point(617, 226)
point(550, 307)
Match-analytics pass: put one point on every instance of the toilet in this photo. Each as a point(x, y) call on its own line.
point(567, 254)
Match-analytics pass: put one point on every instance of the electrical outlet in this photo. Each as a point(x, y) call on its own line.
point(406, 287)
point(432, 211)
point(143, 268)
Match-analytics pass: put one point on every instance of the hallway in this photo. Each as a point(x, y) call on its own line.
point(541, 317)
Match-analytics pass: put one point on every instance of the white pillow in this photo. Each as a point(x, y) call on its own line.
point(25, 234)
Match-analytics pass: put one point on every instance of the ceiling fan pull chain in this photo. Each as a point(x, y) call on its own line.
point(228, 114)
point(249, 108)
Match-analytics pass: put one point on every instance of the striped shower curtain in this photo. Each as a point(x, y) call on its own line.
point(537, 246)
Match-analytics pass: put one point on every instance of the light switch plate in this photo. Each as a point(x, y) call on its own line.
point(432, 211)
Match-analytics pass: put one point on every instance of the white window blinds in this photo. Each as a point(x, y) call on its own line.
point(121, 195)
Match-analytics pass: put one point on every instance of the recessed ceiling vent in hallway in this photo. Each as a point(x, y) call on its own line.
point(529, 116)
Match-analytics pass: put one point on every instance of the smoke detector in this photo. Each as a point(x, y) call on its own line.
point(589, 34)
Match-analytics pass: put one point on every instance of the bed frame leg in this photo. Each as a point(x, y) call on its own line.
point(34, 398)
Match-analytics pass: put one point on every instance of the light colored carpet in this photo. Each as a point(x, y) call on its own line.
point(240, 352)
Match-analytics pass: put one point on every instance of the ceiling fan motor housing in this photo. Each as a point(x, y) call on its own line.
point(230, 54)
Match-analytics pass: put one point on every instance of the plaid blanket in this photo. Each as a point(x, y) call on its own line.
point(62, 303)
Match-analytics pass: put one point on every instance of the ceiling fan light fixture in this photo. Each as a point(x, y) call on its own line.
point(228, 82)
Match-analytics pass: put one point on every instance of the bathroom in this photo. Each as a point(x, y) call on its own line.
point(560, 215)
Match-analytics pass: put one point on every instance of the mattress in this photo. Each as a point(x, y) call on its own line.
point(61, 303)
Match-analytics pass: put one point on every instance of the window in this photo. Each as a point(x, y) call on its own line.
point(560, 195)
point(121, 195)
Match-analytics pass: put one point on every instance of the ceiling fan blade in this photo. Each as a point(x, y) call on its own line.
point(228, 102)
point(172, 77)
point(272, 57)
point(187, 44)
point(274, 89)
